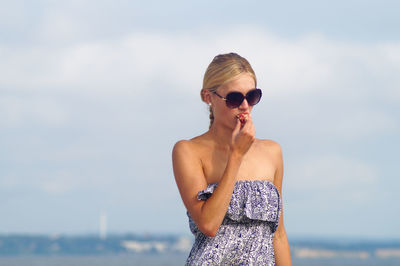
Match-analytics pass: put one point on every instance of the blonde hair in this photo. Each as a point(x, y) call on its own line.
point(224, 68)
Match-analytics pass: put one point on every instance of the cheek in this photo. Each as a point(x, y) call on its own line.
point(222, 113)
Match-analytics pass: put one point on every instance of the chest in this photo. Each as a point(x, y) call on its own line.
point(256, 165)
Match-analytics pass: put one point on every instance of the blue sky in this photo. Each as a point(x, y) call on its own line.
point(94, 94)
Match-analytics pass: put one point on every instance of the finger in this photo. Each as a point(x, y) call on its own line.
point(250, 118)
point(249, 127)
point(248, 123)
point(237, 128)
point(252, 129)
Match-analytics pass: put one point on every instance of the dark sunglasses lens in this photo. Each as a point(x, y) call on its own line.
point(234, 99)
point(254, 96)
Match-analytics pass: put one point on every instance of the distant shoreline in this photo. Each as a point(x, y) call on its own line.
point(125, 244)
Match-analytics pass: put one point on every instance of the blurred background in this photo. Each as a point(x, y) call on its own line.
point(94, 94)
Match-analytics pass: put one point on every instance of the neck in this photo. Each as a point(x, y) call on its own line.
point(222, 135)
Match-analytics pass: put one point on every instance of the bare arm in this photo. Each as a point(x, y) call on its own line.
point(281, 243)
point(189, 176)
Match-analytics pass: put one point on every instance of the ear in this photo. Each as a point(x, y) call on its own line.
point(206, 96)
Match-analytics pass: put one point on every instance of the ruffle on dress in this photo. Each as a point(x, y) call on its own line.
point(251, 200)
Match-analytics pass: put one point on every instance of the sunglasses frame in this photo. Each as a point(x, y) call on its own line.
point(244, 97)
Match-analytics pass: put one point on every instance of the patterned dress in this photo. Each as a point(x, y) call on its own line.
point(245, 235)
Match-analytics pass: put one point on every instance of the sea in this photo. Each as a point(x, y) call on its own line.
point(171, 260)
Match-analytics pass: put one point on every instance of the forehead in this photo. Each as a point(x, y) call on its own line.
point(243, 83)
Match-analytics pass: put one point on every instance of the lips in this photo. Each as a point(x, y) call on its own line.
point(242, 118)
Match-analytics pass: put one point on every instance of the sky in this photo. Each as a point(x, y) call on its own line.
point(94, 94)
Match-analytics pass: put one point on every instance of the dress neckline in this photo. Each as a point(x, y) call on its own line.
point(252, 180)
point(248, 181)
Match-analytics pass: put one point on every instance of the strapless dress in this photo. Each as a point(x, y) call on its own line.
point(246, 233)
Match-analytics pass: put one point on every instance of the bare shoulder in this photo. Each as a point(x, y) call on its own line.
point(184, 152)
point(273, 151)
point(188, 172)
point(187, 147)
point(186, 160)
point(270, 146)
point(182, 146)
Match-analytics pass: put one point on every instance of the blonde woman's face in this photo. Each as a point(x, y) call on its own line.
point(225, 115)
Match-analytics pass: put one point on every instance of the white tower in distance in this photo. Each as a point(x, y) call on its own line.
point(103, 225)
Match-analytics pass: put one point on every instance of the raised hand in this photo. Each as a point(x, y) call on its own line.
point(243, 136)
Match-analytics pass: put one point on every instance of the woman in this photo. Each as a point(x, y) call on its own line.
point(230, 182)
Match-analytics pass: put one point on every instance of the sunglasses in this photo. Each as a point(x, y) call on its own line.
point(235, 99)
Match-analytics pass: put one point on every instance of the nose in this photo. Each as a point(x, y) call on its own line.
point(244, 104)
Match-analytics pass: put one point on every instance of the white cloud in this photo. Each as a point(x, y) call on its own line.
point(341, 178)
point(286, 67)
point(111, 97)
point(55, 181)
point(16, 111)
point(60, 183)
point(361, 123)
